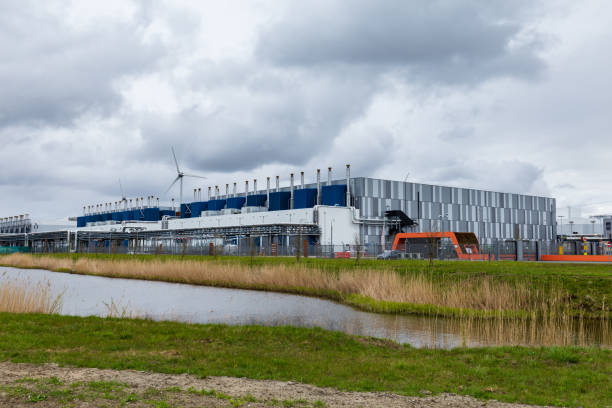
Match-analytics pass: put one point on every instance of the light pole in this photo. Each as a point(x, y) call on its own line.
point(561, 220)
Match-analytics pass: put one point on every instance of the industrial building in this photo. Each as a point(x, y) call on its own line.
point(334, 213)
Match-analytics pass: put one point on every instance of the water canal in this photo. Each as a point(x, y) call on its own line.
point(84, 295)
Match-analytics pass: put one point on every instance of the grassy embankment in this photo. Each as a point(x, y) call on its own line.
point(548, 376)
point(449, 288)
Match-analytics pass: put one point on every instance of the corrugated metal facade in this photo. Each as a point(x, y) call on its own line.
point(490, 215)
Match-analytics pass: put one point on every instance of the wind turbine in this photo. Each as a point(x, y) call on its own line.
point(179, 177)
point(123, 197)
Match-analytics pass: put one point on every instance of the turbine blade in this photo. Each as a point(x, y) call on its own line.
point(173, 183)
point(175, 161)
point(193, 175)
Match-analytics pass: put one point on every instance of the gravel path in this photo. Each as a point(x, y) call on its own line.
point(258, 393)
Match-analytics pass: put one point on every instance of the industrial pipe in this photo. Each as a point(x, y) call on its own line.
point(268, 192)
point(235, 190)
point(254, 186)
point(246, 190)
point(348, 185)
point(329, 176)
point(318, 186)
point(277, 184)
point(226, 190)
point(302, 180)
point(208, 193)
point(291, 199)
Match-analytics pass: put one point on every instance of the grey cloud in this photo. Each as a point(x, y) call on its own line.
point(437, 40)
point(284, 118)
point(52, 73)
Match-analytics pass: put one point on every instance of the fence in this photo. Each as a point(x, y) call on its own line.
point(297, 247)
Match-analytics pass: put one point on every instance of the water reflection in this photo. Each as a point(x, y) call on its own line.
point(91, 295)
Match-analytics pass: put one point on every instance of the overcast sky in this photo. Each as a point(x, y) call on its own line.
point(510, 96)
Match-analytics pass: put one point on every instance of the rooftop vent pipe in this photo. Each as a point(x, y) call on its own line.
point(302, 181)
point(246, 189)
point(173, 209)
point(318, 186)
point(348, 185)
point(195, 194)
point(268, 192)
point(226, 190)
point(235, 190)
point(157, 202)
point(254, 186)
point(277, 184)
point(291, 199)
point(199, 193)
point(216, 192)
point(208, 193)
point(329, 175)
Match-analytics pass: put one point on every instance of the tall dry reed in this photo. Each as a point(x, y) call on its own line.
point(21, 297)
point(482, 294)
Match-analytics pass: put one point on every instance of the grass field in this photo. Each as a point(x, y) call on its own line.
point(446, 288)
point(548, 376)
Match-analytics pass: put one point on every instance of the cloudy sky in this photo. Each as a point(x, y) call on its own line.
point(503, 95)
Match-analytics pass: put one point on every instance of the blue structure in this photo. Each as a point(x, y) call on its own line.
point(279, 200)
point(334, 195)
point(151, 214)
point(185, 210)
point(216, 205)
point(235, 202)
point(257, 200)
point(305, 198)
point(197, 208)
point(81, 221)
point(169, 213)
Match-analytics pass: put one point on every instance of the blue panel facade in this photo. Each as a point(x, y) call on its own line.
point(117, 216)
point(128, 215)
point(334, 195)
point(235, 202)
point(257, 200)
point(197, 208)
point(151, 214)
point(216, 205)
point(279, 200)
point(138, 215)
point(81, 221)
point(305, 198)
point(168, 213)
point(185, 210)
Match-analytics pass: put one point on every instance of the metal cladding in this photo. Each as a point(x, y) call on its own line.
point(279, 200)
point(197, 208)
point(81, 221)
point(257, 200)
point(305, 198)
point(216, 205)
point(185, 210)
point(235, 202)
point(166, 213)
point(138, 214)
point(334, 195)
point(151, 214)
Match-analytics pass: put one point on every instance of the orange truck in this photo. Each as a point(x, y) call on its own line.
point(465, 243)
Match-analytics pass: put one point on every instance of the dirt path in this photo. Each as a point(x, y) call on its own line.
point(50, 386)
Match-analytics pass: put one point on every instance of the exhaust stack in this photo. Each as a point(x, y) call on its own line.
point(268, 192)
point(291, 199)
point(329, 176)
point(348, 185)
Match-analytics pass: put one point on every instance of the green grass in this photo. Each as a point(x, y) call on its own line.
point(567, 376)
point(588, 286)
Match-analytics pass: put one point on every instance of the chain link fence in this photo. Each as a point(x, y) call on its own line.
point(296, 246)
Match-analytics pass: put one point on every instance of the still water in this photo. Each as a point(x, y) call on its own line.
point(84, 295)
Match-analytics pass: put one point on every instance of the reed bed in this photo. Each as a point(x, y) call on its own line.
point(21, 297)
point(484, 294)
